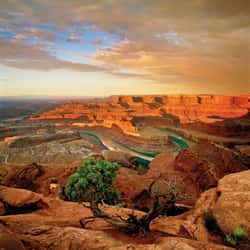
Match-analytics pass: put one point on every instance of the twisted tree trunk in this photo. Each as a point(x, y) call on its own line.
point(134, 224)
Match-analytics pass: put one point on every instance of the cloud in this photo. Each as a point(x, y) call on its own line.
point(19, 37)
point(96, 42)
point(73, 39)
point(200, 42)
point(36, 33)
point(181, 15)
point(29, 57)
point(177, 65)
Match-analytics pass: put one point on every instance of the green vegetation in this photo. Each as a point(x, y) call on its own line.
point(237, 237)
point(97, 139)
point(149, 154)
point(180, 134)
point(142, 161)
point(93, 180)
point(143, 165)
point(92, 135)
point(133, 224)
point(181, 144)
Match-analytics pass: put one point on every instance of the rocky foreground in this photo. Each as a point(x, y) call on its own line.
point(34, 215)
point(31, 221)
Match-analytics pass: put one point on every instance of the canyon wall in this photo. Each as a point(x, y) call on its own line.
point(174, 110)
point(189, 108)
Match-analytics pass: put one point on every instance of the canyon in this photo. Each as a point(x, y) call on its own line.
point(207, 113)
point(200, 142)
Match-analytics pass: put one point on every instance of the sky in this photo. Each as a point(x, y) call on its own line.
point(109, 47)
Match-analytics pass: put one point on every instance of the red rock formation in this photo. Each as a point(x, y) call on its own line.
point(121, 110)
point(56, 226)
point(198, 167)
point(206, 163)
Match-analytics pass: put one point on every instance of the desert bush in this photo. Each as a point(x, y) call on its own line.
point(133, 224)
point(236, 238)
point(93, 180)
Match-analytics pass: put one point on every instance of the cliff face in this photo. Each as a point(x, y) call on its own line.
point(189, 108)
point(125, 111)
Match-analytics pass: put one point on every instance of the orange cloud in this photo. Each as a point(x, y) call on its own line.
point(203, 43)
point(169, 63)
point(36, 33)
point(19, 37)
point(20, 56)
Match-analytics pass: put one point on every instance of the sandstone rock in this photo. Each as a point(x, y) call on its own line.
point(56, 227)
point(176, 243)
point(18, 197)
point(43, 237)
point(116, 156)
point(170, 225)
point(194, 223)
point(2, 208)
point(172, 243)
point(25, 176)
point(244, 151)
point(120, 110)
point(229, 203)
point(191, 223)
point(57, 152)
point(233, 205)
point(206, 163)
point(198, 168)
point(133, 187)
point(8, 241)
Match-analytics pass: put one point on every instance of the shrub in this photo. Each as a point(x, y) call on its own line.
point(237, 237)
point(239, 233)
point(93, 180)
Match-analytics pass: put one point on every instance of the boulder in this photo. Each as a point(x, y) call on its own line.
point(9, 241)
point(122, 158)
point(56, 226)
point(229, 203)
point(173, 243)
point(58, 238)
point(189, 224)
point(25, 176)
point(2, 208)
point(65, 238)
point(233, 205)
point(15, 197)
point(206, 163)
